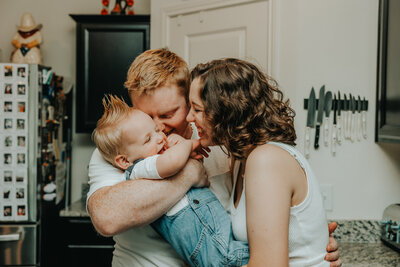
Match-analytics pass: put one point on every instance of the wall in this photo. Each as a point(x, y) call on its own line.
point(335, 43)
point(58, 51)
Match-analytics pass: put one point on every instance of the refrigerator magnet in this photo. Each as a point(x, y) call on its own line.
point(21, 89)
point(21, 141)
point(21, 158)
point(20, 193)
point(21, 72)
point(20, 124)
point(7, 177)
point(21, 212)
point(8, 71)
point(8, 124)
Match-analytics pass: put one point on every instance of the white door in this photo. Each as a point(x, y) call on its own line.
point(200, 33)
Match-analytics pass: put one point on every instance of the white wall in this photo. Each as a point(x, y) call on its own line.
point(335, 43)
point(317, 42)
point(58, 51)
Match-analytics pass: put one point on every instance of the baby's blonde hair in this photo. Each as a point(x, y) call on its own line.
point(108, 134)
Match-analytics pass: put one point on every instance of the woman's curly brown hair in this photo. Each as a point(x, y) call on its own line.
point(244, 107)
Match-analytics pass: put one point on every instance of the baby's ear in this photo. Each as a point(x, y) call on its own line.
point(122, 161)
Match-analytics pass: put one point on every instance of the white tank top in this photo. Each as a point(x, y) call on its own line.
point(308, 228)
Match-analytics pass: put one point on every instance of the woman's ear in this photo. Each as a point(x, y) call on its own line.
point(122, 161)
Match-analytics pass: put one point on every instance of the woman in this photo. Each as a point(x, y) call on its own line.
point(276, 205)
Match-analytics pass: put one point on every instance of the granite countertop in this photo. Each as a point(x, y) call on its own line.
point(368, 255)
point(359, 240)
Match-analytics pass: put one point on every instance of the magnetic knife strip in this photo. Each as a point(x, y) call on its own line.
point(342, 101)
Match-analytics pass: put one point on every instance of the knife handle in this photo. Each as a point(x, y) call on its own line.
point(349, 120)
point(334, 139)
point(364, 123)
point(359, 130)
point(353, 127)
point(339, 129)
point(316, 145)
point(326, 131)
point(307, 142)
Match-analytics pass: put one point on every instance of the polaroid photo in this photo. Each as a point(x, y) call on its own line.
point(21, 177)
point(7, 159)
point(6, 193)
point(21, 72)
point(20, 193)
point(8, 106)
point(20, 124)
point(8, 89)
point(8, 141)
point(21, 106)
point(7, 212)
point(21, 158)
point(22, 212)
point(8, 124)
point(7, 176)
point(8, 71)
point(21, 141)
point(21, 89)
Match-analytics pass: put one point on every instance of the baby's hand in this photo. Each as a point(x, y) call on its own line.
point(174, 139)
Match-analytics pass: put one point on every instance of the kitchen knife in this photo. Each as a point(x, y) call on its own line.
point(359, 126)
point(364, 118)
point(320, 113)
point(334, 129)
point(327, 109)
point(310, 121)
point(339, 119)
point(346, 117)
point(353, 119)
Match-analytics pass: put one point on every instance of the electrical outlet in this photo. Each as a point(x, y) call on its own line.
point(327, 196)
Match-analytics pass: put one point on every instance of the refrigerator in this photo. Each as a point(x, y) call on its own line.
point(34, 161)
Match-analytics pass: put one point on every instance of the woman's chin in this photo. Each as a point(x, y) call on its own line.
point(205, 142)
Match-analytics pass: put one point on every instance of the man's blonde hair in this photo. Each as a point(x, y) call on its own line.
point(155, 68)
point(108, 134)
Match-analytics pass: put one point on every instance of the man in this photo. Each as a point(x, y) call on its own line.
point(158, 84)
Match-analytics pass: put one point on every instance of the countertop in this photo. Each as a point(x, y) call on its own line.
point(366, 254)
point(76, 209)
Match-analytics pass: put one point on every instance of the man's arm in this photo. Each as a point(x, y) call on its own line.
point(118, 207)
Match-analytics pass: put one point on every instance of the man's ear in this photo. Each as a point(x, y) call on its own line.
point(122, 161)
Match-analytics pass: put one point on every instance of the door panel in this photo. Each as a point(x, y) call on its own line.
point(232, 31)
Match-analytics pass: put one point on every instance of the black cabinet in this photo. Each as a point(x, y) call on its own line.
point(83, 246)
point(388, 82)
point(106, 47)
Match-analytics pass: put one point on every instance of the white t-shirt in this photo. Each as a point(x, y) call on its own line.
point(308, 227)
point(142, 246)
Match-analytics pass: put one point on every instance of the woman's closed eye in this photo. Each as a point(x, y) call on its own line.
point(148, 138)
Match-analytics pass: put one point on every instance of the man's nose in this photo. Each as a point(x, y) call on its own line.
point(159, 124)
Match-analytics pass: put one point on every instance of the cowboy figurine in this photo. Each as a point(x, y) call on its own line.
point(27, 42)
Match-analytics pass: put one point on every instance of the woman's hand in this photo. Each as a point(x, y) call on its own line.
point(333, 248)
point(198, 152)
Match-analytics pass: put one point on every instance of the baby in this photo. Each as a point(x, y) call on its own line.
point(197, 227)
